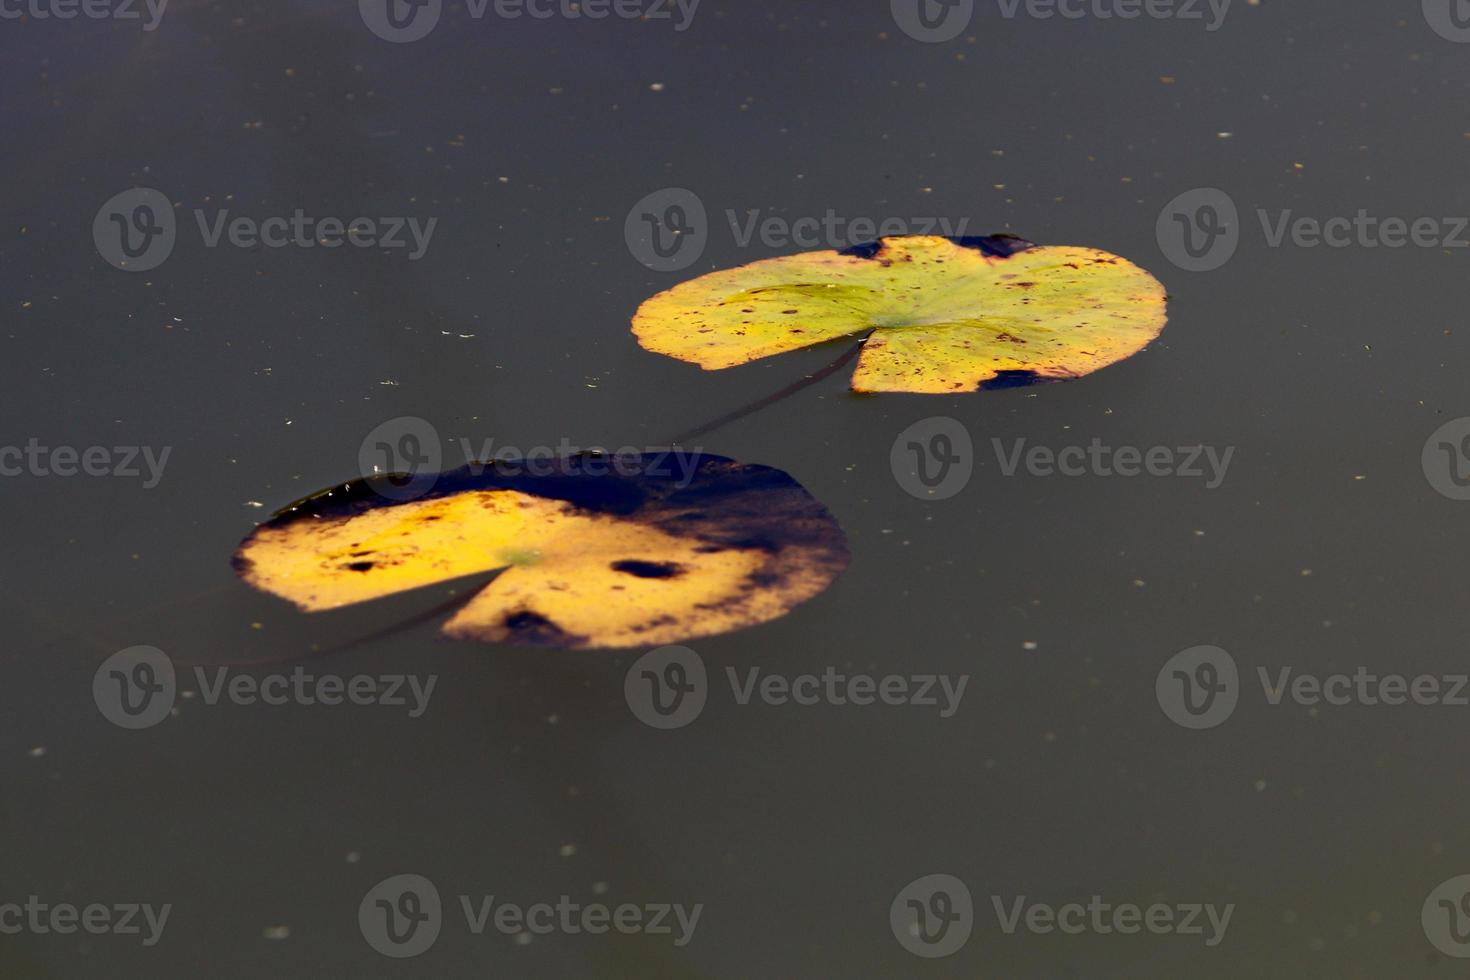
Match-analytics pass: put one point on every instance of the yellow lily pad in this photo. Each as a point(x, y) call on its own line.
point(941, 315)
point(597, 551)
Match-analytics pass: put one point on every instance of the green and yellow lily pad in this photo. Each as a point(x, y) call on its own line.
point(940, 315)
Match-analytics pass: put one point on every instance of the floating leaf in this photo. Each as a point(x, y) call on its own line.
point(598, 551)
point(945, 314)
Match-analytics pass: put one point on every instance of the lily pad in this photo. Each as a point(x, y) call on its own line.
point(941, 315)
point(597, 551)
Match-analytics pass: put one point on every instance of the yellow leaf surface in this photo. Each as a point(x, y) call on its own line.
point(635, 558)
point(945, 315)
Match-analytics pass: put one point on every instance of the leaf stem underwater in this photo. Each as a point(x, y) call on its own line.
point(842, 360)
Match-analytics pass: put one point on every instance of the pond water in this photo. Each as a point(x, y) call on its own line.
point(505, 166)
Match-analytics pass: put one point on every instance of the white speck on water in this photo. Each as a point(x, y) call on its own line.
point(567, 850)
point(353, 857)
point(38, 751)
point(277, 932)
point(599, 888)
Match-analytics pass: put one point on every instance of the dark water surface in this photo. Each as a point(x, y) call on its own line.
point(1325, 548)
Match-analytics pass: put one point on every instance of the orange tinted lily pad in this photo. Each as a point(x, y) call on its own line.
point(597, 551)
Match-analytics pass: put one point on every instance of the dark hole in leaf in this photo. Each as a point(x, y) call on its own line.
point(864, 251)
point(1001, 245)
point(648, 569)
point(525, 620)
point(362, 566)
